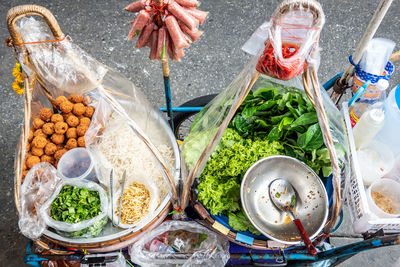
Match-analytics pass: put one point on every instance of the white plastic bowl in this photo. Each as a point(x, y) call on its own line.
point(390, 189)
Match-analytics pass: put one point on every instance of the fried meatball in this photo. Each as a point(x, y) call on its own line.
point(81, 130)
point(67, 115)
point(37, 151)
point(87, 100)
point(60, 127)
point(39, 141)
point(72, 121)
point(75, 98)
point(30, 136)
point(39, 132)
point(59, 153)
point(66, 106)
point(48, 128)
point(84, 121)
point(46, 158)
point(31, 161)
point(81, 141)
point(89, 112)
point(78, 109)
point(37, 123)
point(50, 149)
point(57, 138)
point(60, 99)
point(71, 143)
point(45, 114)
point(71, 133)
point(28, 147)
point(24, 173)
point(57, 118)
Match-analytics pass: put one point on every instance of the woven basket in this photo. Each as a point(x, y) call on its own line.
point(312, 89)
point(16, 40)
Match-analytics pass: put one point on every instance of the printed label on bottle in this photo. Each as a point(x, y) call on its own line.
point(353, 118)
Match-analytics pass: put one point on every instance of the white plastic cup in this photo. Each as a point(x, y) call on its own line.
point(77, 163)
point(390, 189)
point(375, 160)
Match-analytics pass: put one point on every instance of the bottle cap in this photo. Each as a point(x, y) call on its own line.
point(377, 115)
point(382, 84)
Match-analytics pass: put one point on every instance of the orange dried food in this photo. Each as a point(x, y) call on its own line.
point(48, 128)
point(59, 153)
point(89, 111)
point(72, 121)
point(37, 151)
point(50, 149)
point(60, 127)
point(57, 138)
point(81, 141)
point(85, 121)
point(39, 141)
point(46, 158)
point(66, 106)
point(37, 123)
point(28, 147)
point(78, 109)
point(87, 100)
point(75, 98)
point(81, 130)
point(57, 118)
point(71, 133)
point(66, 115)
point(30, 136)
point(39, 132)
point(31, 161)
point(24, 173)
point(71, 143)
point(45, 114)
point(60, 99)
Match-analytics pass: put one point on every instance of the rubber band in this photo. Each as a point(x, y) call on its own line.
point(44, 42)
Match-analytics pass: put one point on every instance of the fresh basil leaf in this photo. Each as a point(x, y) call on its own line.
point(313, 138)
point(277, 119)
point(294, 112)
point(265, 93)
point(285, 122)
point(248, 111)
point(267, 105)
point(305, 119)
point(275, 134)
point(326, 171)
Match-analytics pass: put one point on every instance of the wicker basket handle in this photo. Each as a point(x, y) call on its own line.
point(18, 12)
point(313, 7)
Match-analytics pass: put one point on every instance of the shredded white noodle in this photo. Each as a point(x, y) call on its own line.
point(126, 151)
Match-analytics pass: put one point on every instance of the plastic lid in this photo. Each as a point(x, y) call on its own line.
point(76, 163)
point(382, 84)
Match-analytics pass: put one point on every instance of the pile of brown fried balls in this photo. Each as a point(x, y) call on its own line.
point(53, 134)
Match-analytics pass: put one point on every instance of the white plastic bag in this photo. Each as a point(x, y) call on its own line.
point(87, 228)
point(39, 183)
point(213, 251)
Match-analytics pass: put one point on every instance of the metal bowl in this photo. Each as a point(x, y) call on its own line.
point(311, 197)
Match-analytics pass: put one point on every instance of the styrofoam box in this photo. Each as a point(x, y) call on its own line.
point(361, 216)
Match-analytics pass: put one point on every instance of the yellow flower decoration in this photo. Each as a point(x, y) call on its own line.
point(18, 84)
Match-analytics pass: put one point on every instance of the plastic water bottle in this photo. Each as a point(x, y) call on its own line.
point(390, 132)
point(370, 123)
point(158, 246)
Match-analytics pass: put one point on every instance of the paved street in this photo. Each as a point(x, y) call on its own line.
point(100, 28)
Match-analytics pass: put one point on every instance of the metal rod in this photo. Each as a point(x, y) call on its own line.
point(167, 89)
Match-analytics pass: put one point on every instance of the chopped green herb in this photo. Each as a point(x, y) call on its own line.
point(277, 195)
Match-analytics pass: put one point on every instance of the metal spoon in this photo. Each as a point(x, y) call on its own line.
point(122, 194)
point(283, 196)
point(112, 196)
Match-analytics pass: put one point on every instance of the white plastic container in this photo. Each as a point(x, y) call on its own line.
point(375, 160)
point(77, 163)
point(370, 123)
point(390, 132)
point(391, 190)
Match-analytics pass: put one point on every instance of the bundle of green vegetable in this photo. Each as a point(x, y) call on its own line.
point(267, 123)
point(74, 205)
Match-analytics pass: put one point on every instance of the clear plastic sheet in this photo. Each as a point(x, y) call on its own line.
point(39, 183)
point(61, 68)
point(87, 228)
point(212, 251)
point(293, 32)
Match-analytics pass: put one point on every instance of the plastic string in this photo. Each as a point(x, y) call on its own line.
point(43, 42)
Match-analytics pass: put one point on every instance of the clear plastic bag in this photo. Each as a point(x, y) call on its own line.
point(60, 68)
point(39, 183)
point(86, 228)
point(294, 29)
point(183, 243)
